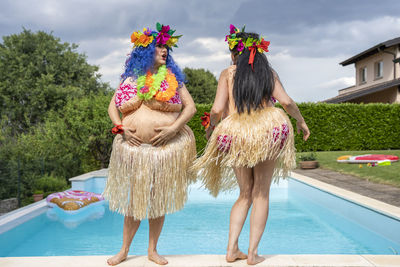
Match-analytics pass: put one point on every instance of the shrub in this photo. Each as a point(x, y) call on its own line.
point(51, 184)
point(335, 126)
point(308, 157)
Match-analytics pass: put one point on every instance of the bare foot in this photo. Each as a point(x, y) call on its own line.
point(117, 259)
point(254, 259)
point(155, 257)
point(232, 256)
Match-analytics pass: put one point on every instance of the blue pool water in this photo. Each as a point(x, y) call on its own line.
point(302, 220)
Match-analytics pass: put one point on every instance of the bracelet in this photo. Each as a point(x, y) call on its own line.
point(117, 129)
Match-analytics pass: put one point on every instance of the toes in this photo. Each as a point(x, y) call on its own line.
point(115, 260)
point(158, 259)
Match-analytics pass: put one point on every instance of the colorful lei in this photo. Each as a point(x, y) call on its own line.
point(149, 85)
point(163, 36)
point(250, 43)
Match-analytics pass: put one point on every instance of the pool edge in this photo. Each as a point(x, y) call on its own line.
point(376, 205)
point(210, 260)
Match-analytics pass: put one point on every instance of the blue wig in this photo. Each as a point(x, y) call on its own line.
point(141, 60)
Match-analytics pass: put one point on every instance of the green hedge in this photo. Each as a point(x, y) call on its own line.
point(197, 128)
point(336, 126)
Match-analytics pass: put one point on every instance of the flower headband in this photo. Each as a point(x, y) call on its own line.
point(163, 36)
point(250, 43)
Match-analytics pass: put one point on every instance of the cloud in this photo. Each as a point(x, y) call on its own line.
point(308, 38)
point(333, 39)
point(206, 52)
point(310, 79)
point(342, 82)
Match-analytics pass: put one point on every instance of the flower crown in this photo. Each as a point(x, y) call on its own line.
point(163, 36)
point(250, 43)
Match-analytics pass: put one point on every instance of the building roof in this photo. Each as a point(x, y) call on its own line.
point(371, 51)
point(363, 91)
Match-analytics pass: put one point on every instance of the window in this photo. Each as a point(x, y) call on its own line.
point(379, 69)
point(363, 75)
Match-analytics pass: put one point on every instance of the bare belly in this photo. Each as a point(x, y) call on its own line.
point(144, 120)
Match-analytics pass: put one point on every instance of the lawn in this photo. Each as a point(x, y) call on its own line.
point(380, 174)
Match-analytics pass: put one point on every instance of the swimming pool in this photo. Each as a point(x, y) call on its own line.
point(302, 220)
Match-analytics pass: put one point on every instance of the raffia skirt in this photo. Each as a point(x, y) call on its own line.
point(244, 140)
point(148, 182)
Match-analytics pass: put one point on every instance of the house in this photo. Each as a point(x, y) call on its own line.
point(377, 75)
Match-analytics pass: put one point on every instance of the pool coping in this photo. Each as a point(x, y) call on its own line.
point(210, 261)
point(90, 175)
point(367, 202)
point(216, 260)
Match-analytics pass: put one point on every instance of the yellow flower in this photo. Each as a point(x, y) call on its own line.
point(135, 36)
point(145, 40)
point(141, 39)
point(172, 41)
point(232, 43)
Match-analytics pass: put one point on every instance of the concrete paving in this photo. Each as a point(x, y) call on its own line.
point(210, 261)
point(385, 193)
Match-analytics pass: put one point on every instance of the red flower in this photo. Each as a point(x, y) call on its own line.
point(118, 129)
point(205, 120)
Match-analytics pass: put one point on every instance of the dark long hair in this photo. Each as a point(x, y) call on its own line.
point(252, 87)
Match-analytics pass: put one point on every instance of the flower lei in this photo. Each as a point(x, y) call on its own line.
point(163, 36)
point(149, 85)
point(254, 45)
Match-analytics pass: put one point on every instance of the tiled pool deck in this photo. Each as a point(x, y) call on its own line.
point(209, 261)
point(219, 260)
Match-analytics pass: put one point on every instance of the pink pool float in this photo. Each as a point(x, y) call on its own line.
point(368, 158)
point(71, 200)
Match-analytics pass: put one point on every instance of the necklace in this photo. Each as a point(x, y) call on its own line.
point(150, 85)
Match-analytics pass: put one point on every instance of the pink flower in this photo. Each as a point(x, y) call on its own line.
point(144, 89)
point(163, 35)
point(240, 46)
point(232, 29)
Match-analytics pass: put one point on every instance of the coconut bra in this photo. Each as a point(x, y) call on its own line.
point(127, 100)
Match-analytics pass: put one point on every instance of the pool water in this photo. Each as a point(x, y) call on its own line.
point(297, 224)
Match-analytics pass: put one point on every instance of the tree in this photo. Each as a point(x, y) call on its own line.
point(201, 84)
point(72, 141)
point(78, 139)
point(39, 73)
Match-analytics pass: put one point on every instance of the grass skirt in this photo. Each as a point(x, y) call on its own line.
point(147, 181)
point(243, 141)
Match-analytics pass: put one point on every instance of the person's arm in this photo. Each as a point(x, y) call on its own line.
point(220, 102)
point(113, 112)
point(128, 134)
point(290, 106)
point(167, 132)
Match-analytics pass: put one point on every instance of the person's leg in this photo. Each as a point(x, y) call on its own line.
point(155, 227)
point(239, 213)
point(130, 228)
point(262, 174)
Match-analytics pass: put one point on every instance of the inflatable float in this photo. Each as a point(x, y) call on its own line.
point(73, 199)
point(73, 207)
point(368, 158)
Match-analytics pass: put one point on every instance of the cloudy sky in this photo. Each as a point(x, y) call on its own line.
point(308, 37)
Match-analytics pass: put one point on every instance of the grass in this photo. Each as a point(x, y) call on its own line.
point(381, 174)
